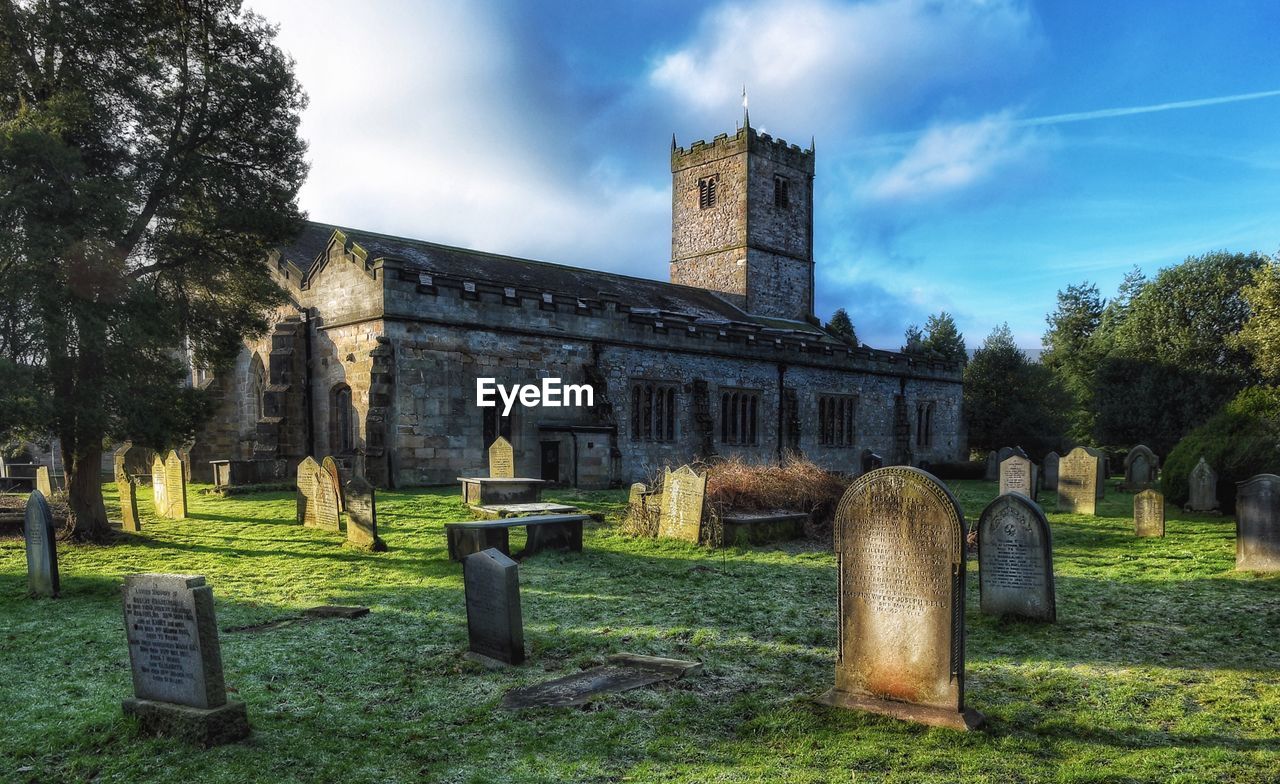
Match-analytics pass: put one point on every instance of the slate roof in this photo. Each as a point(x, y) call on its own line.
point(638, 293)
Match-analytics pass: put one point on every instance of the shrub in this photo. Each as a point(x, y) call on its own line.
point(1241, 440)
point(734, 485)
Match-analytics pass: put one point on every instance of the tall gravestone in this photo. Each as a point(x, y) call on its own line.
point(326, 502)
point(362, 515)
point(129, 519)
point(683, 491)
point(1051, 471)
point(331, 468)
point(44, 482)
point(1203, 483)
point(993, 467)
point(899, 541)
point(495, 628)
point(1077, 478)
point(42, 548)
point(1015, 560)
point(1140, 468)
point(1100, 486)
point(159, 496)
point(502, 459)
point(1148, 513)
point(308, 487)
point(1258, 523)
point(176, 661)
point(1017, 475)
point(175, 486)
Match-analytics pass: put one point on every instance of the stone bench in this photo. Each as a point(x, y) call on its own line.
point(543, 532)
point(496, 491)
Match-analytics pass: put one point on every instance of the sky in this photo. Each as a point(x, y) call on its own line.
point(973, 156)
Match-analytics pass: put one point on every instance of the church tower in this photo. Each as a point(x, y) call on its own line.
point(742, 221)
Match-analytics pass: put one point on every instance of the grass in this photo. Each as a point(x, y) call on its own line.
point(1162, 667)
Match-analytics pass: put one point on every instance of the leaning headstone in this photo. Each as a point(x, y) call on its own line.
point(495, 628)
point(176, 661)
point(1203, 483)
point(42, 547)
point(1017, 475)
point(326, 502)
point(159, 497)
point(502, 459)
point(1077, 479)
point(43, 481)
point(993, 467)
point(330, 467)
point(1148, 513)
point(129, 520)
point(1015, 560)
point(683, 491)
point(308, 487)
point(1258, 523)
point(1100, 487)
point(1140, 467)
point(899, 541)
point(175, 486)
point(1051, 471)
point(362, 515)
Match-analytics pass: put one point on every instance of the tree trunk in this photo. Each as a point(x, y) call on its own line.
point(87, 515)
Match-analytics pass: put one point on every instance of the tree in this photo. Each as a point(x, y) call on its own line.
point(1260, 333)
point(944, 339)
point(913, 340)
point(841, 326)
point(149, 160)
point(1010, 400)
point(1072, 351)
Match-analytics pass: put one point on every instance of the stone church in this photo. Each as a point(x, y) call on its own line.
point(376, 356)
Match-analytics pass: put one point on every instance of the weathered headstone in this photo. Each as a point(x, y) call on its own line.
point(502, 459)
point(42, 547)
point(44, 482)
point(129, 519)
point(330, 467)
point(993, 467)
point(683, 491)
point(175, 486)
point(1077, 479)
point(899, 541)
point(495, 627)
point(1140, 468)
point(870, 461)
point(159, 497)
point(1100, 487)
point(362, 515)
point(1017, 475)
point(1148, 513)
point(326, 502)
point(1258, 523)
point(1203, 483)
point(1015, 560)
point(1051, 471)
point(308, 487)
point(177, 662)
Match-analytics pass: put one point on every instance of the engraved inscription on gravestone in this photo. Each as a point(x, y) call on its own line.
point(326, 502)
point(307, 488)
point(158, 497)
point(1077, 475)
point(495, 627)
point(42, 547)
point(1051, 471)
point(502, 459)
point(1258, 523)
point(1015, 560)
point(1017, 476)
point(1148, 513)
point(173, 640)
point(683, 491)
point(330, 467)
point(899, 540)
point(175, 486)
point(362, 515)
point(1203, 483)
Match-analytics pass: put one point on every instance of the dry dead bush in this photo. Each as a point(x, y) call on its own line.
point(735, 485)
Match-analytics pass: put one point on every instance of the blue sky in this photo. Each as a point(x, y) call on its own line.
point(948, 176)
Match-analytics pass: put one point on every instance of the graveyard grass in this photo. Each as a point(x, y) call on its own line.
point(1164, 666)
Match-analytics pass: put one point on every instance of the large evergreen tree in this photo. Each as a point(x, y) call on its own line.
point(841, 326)
point(1072, 352)
point(1010, 400)
point(943, 339)
point(149, 159)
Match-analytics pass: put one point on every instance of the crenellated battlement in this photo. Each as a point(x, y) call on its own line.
point(746, 139)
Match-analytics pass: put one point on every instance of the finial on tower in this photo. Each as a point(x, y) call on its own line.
point(673, 141)
point(746, 115)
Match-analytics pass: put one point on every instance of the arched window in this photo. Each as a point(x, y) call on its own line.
point(257, 389)
point(341, 419)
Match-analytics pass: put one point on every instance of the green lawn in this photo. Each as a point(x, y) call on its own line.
point(1163, 666)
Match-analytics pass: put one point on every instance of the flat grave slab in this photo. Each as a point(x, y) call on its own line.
point(623, 672)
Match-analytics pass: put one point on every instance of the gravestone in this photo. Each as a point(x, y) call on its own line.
point(1018, 475)
point(159, 497)
point(308, 487)
point(502, 459)
point(43, 481)
point(326, 502)
point(683, 491)
point(1100, 487)
point(1148, 513)
point(495, 628)
point(871, 461)
point(993, 467)
point(129, 520)
point(176, 660)
point(1258, 523)
point(330, 467)
point(1140, 467)
point(1051, 471)
point(42, 548)
point(175, 486)
point(1203, 483)
point(1015, 560)
point(1077, 479)
point(362, 515)
point(899, 541)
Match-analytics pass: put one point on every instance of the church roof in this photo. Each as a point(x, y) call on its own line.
point(445, 260)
